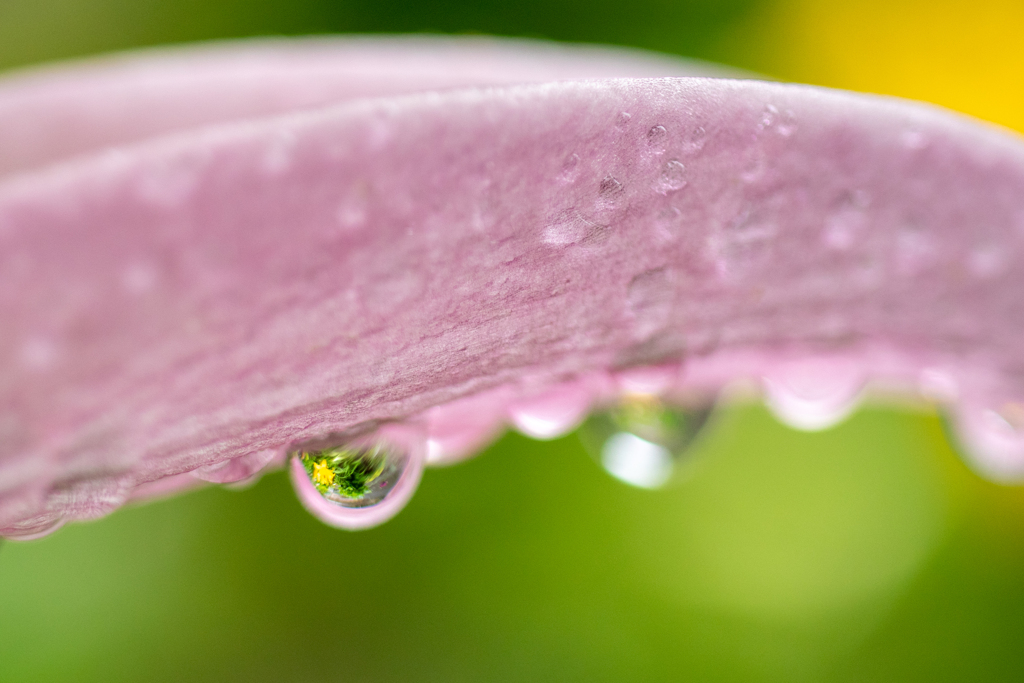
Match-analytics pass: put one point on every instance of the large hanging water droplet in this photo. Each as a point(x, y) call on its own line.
point(992, 437)
point(814, 394)
point(553, 413)
point(641, 440)
point(358, 482)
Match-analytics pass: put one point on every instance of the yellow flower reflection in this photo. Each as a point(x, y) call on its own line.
point(322, 474)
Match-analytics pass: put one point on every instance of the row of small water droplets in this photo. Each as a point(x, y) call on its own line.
point(638, 426)
point(642, 435)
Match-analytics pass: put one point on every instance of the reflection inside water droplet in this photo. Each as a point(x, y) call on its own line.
point(641, 440)
point(353, 476)
point(355, 483)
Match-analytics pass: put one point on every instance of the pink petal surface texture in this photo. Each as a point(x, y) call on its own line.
point(195, 284)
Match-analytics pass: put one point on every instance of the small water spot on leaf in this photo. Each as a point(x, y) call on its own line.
point(569, 227)
point(846, 223)
point(570, 169)
point(672, 178)
point(768, 116)
point(657, 139)
point(610, 191)
point(650, 299)
point(695, 140)
point(742, 245)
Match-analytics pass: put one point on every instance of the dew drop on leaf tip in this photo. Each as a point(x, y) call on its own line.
point(356, 482)
point(641, 440)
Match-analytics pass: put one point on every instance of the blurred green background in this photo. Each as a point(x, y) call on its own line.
point(864, 553)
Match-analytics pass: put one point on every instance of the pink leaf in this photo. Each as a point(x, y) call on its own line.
point(176, 303)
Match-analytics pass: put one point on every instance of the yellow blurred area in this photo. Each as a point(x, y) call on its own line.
point(967, 56)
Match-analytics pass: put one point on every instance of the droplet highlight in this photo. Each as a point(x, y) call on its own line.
point(815, 394)
point(357, 483)
point(641, 440)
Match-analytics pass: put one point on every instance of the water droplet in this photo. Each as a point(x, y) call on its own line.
point(358, 482)
point(461, 428)
point(570, 169)
point(666, 225)
point(552, 414)
point(814, 394)
point(742, 246)
point(657, 139)
point(695, 141)
point(768, 116)
point(640, 440)
point(569, 227)
point(650, 298)
point(236, 469)
point(937, 385)
point(993, 438)
point(672, 178)
point(787, 124)
point(648, 379)
point(845, 225)
point(622, 120)
point(610, 191)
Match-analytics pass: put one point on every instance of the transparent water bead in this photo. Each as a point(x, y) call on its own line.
point(815, 393)
point(641, 440)
point(992, 437)
point(358, 482)
point(553, 413)
point(462, 428)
